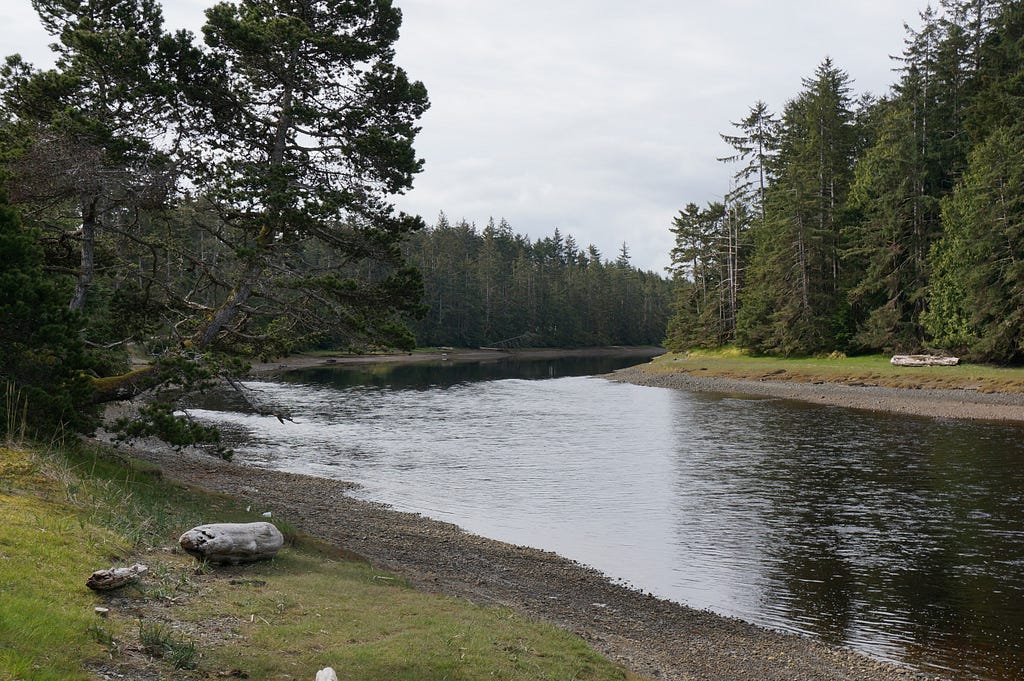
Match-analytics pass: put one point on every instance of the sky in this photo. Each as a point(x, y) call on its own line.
point(597, 117)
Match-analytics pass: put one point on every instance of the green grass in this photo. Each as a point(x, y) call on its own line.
point(64, 514)
point(45, 556)
point(867, 370)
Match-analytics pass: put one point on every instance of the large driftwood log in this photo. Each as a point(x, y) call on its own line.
point(114, 578)
point(923, 361)
point(232, 542)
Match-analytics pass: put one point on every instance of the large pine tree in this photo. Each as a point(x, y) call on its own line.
point(793, 296)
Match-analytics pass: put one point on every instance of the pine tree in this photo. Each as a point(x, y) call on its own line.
point(756, 145)
point(312, 134)
point(42, 364)
point(975, 303)
point(793, 285)
point(94, 124)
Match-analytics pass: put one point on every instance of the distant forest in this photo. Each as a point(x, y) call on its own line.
point(486, 286)
point(864, 224)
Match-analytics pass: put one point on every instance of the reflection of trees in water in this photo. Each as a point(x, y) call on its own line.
point(425, 375)
point(877, 529)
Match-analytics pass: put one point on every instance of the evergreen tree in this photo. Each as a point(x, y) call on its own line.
point(756, 146)
point(793, 284)
point(42, 364)
point(312, 134)
point(975, 303)
point(92, 126)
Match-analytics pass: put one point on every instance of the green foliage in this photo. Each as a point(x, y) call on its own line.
point(160, 641)
point(979, 278)
point(160, 419)
point(890, 226)
point(41, 355)
point(485, 287)
point(794, 270)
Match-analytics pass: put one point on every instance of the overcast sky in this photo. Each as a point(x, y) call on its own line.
point(599, 117)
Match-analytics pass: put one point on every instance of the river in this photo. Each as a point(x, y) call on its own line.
point(902, 538)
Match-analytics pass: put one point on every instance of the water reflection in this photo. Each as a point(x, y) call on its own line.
point(890, 533)
point(445, 374)
point(900, 537)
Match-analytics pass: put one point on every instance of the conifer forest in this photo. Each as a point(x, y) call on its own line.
point(860, 223)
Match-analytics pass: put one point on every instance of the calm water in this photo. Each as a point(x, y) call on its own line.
point(902, 538)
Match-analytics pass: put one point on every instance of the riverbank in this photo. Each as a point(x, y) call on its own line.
point(306, 361)
point(967, 396)
point(69, 510)
point(653, 637)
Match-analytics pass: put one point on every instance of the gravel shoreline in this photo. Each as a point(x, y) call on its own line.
point(657, 638)
point(948, 404)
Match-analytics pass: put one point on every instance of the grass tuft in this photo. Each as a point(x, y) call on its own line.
point(160, 641)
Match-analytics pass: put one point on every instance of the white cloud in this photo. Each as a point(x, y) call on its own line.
point(597, 117)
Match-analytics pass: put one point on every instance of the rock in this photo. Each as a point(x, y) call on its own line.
point(232, 543)
point(326, 674)
point(115, 578)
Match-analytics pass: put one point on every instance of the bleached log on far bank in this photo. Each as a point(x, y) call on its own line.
point(923, 361)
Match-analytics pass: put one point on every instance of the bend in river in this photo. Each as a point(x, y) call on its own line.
point(902, 538)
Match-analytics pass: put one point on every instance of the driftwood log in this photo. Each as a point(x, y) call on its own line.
point(923, 361)
point(232, 543)
point(115, 578)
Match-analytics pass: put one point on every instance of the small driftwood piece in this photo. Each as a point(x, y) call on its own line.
point(923, 361)
point(115, 578)
point(232, 543)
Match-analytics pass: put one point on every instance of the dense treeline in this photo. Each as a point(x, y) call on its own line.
point(863, 224)
point(483, 287)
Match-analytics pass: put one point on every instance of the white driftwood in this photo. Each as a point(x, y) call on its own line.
point(115, 578)
point(923, 361)
point(232, 542)
point(326, 674)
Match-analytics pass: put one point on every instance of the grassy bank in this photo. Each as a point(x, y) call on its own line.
point(64, 514)
point(866, 370)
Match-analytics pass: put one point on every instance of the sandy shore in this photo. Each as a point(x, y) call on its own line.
point(653, 637)
point(948, 404)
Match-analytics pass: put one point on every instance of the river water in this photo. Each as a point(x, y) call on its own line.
point(899, 537)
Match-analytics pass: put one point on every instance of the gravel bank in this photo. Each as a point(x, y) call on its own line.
point(951, 404)
point(653, 637)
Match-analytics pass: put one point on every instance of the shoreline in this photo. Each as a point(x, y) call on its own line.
point(917, 402)
point(295, 362)
point(654, 637)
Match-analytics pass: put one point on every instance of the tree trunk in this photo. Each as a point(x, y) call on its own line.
point(87, 261)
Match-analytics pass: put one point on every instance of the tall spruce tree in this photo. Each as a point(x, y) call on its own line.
point(756, 147)
point(975, 304)
point(793, 303)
